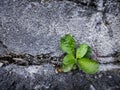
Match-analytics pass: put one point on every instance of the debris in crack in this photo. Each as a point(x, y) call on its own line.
point(27, 59)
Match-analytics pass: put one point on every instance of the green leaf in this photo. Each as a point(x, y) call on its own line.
point(67, 44)
point(89, 51)
point(82, 50)
point(74, 67)
point(68, 63)
point(68, 59)
point(67, 68)
point(88, 66)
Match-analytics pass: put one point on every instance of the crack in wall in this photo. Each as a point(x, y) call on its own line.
point(27, 59)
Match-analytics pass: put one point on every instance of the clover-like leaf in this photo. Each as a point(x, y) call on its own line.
point(82, 50)
point(67, 44)
point(74, 67)
point(88, 66)
point(67, 68)
point(89, 51)
point(68, 63)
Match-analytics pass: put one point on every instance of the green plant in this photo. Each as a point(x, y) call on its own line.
point(77, 58)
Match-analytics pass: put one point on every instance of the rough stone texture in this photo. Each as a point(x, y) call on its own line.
point(113, 18)
point(35, 28)
point(3, 50)
point(43, 77)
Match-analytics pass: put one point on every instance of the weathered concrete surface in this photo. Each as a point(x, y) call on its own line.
point(43, 77)
point(35, 28)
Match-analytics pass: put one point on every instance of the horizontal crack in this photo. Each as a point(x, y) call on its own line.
point(27, 59)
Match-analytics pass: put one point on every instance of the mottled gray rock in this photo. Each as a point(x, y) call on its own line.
point(113, 19)
point(85, 2)
point(35, 28)
point(43, 77)
point(3, 50)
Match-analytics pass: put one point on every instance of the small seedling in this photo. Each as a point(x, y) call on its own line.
point(77, 58)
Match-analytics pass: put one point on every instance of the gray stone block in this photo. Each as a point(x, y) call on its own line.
point(35, 28)
point(43, 77)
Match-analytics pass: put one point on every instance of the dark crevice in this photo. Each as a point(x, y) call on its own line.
point(116, 57)
point(78, 2)
point(89, 3)
point(27, 59)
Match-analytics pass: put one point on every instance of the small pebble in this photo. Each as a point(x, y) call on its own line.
point(109, 76)
point(1, 64)
point(58, 70)
point(18, 59)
